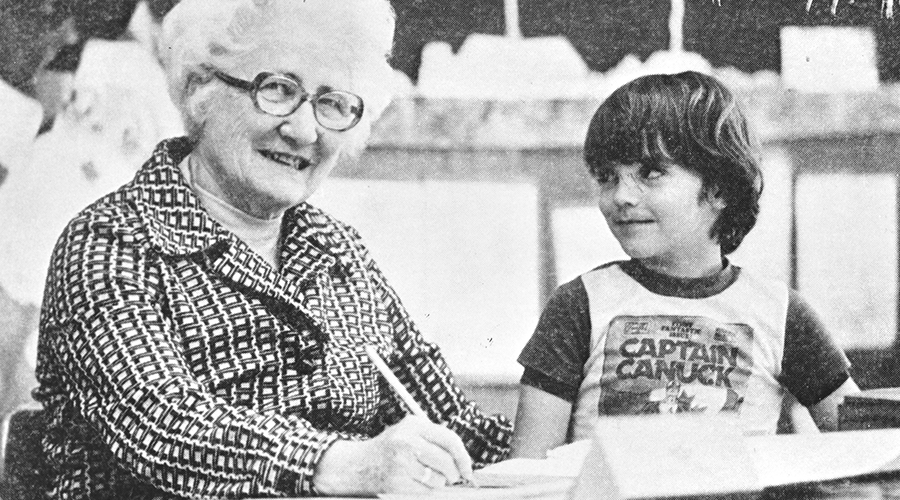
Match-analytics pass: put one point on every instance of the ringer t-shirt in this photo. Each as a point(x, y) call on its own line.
point(623, 339)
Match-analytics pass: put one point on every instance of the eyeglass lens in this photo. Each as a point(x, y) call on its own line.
point(608, 178)
point(280, 95)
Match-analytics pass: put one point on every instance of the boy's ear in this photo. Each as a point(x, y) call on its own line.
point(715, 198)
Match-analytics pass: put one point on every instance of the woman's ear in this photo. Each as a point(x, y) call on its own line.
point(196, 100)
point(193, 83)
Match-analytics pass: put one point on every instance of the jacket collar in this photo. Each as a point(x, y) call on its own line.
point(176, 222)
point(178, 225)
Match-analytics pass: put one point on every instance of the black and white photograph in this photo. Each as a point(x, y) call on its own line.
point(449, 249)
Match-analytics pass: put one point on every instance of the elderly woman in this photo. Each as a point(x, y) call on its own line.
point(203, 328)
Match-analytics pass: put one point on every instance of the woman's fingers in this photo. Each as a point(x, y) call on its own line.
point(431, 479)
point(414, 479)
point(452, 447)
point(419, 454)
point(412, 476)
point(438, 461)
point(413, 456)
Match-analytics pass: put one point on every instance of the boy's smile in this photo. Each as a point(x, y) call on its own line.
point(661, 215)
point(630, 222)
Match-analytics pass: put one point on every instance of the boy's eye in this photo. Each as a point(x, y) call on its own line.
point(605, 176)
point(651, 172)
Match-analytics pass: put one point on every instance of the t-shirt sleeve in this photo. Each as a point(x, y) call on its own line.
point(813, 365)
point(555, 356)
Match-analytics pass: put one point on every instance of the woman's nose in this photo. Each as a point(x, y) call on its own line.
point(300, 126)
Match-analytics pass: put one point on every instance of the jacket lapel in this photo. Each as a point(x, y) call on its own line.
point(235, 262)
point(177, 225)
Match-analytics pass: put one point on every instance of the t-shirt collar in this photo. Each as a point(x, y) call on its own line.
point(688, 288)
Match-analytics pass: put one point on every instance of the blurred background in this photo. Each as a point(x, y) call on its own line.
point(472, 195)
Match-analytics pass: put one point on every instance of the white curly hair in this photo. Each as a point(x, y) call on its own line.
point(198, 35)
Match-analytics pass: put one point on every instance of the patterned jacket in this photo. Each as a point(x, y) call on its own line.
point(174, 360)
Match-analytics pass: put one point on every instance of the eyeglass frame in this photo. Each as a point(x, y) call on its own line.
point(253, 88)
point(641, 184)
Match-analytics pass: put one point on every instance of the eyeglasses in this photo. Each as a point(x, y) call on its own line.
point(645, 177)
point(281, 95)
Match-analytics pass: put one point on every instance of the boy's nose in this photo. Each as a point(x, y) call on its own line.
point(627, 191)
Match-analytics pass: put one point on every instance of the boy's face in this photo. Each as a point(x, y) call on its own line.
point(661, 215)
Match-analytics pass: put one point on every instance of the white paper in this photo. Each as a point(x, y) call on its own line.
point(779, 460)
point(800, 458)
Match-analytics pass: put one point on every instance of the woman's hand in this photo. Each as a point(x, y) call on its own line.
point(414, 455)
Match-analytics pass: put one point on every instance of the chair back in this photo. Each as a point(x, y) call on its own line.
point(22, 474)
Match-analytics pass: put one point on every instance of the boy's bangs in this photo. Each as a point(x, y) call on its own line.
point(632, 128)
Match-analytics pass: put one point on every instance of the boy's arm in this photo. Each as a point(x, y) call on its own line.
point(554, 361)
point(542, 422)
point(814, 369)
point(825, 412)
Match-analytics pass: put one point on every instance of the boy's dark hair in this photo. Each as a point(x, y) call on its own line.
point(690, 119)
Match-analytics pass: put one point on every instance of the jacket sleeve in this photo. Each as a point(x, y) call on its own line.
point(421, 368)
point(106, 332)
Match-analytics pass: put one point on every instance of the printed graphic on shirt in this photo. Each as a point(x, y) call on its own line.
point(674, 364)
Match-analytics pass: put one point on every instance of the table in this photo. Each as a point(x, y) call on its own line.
point(875, 487)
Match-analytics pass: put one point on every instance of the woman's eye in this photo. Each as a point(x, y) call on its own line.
point(278, 91)
point(281, 88)
point(333, 103)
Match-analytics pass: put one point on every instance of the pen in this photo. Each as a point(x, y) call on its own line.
point(394, 382)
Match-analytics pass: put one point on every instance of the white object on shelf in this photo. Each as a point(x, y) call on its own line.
point(829, 59)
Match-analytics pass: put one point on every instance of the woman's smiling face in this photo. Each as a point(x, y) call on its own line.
point(265, 164)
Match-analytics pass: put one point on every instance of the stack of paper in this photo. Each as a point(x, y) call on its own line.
point(804, 458)
point(636, 458)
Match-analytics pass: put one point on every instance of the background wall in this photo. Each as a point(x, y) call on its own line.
point(739, 33)
point(478, 209)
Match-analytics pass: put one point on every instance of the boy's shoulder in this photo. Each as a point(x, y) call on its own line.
point(575, 291)
point(606, 268)
point(762, 283)
point(602, 272)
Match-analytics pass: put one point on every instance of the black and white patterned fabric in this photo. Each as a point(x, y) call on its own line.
point(174, 361)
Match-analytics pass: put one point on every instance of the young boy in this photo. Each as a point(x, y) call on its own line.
point(677, 328)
